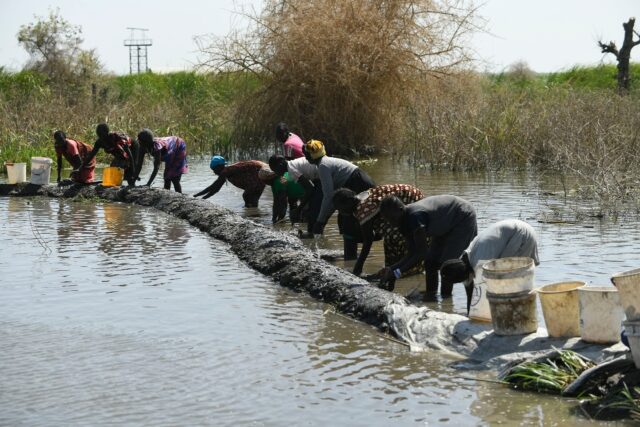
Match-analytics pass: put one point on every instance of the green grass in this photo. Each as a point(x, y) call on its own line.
point(602, 77)
point(195, 106)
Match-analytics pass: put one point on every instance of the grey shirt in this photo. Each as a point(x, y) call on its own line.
point(507, 238)
point(333, 173)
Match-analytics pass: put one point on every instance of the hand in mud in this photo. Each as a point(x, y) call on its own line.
point(386, 274)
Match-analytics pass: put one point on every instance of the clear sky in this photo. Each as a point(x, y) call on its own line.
point(549, 35)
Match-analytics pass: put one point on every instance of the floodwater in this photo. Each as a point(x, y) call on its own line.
point(122, 315)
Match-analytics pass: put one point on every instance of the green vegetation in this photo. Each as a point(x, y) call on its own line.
point(550, 376)
point(195, 106)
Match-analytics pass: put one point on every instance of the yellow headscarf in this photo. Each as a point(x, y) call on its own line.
point(315, 149)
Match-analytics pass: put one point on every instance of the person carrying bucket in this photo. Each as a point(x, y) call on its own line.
point(304, 174)
point(243, 174)
point(450, 224)
point(365, 207)
point(337, 173)
point(507, 238)
point(171, 150)
point(124, 151)
point(73, 151)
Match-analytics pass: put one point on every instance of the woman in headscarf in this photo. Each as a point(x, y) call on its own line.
point(336, 173)
point(73, 151)
point(365, 208)
point(172, 150)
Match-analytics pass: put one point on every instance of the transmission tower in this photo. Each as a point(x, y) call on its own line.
point(138, 43)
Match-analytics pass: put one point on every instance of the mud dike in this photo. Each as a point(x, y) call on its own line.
point(285, 259)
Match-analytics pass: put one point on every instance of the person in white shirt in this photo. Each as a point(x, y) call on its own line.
point(507, 238)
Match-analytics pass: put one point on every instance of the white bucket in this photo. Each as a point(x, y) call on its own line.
point(479, 308)
point(40, 170)
point(16, 172)
point(632, 330)
point(561, 308)
point(628, 284)
point(600, 314)
point(509, 275)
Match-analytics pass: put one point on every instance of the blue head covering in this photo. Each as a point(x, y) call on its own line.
point(217, 161)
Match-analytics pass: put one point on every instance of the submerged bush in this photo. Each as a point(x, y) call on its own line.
point(341, 71)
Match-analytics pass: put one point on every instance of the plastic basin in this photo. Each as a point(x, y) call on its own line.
point(628, 284)
point(561, 308)
point(600, 314)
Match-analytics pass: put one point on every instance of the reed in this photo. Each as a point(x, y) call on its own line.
point(191, 105)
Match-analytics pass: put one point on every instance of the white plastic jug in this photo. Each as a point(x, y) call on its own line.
point(40, 170)
point(16, 172)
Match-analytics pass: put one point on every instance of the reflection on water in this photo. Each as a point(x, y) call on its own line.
point(134, 317)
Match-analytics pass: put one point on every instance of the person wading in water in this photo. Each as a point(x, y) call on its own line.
point(450, 224)
point(171, 150)
point(243, 174)
point(365, 208)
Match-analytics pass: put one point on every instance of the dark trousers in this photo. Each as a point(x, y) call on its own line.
point(315, 203)
point(349, 227)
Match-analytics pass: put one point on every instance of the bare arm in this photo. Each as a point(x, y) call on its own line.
point(132, 161)
point(59, 166)
point(91, 154)
point(367, 237)
point(213, 188)
point(156, 166)
point(279, 209)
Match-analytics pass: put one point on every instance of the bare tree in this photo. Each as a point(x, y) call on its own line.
point(624, 54)
point(342, 70)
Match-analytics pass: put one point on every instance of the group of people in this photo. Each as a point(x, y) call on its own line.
point(127, 153)
point(435, 234)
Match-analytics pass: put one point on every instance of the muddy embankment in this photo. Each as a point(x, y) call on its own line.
point(289, 262)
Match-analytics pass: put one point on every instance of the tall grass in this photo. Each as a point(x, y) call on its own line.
point(580, 134)
point(194, 106)
point(572, 124)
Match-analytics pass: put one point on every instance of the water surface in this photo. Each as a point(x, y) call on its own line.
point(118, 314)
